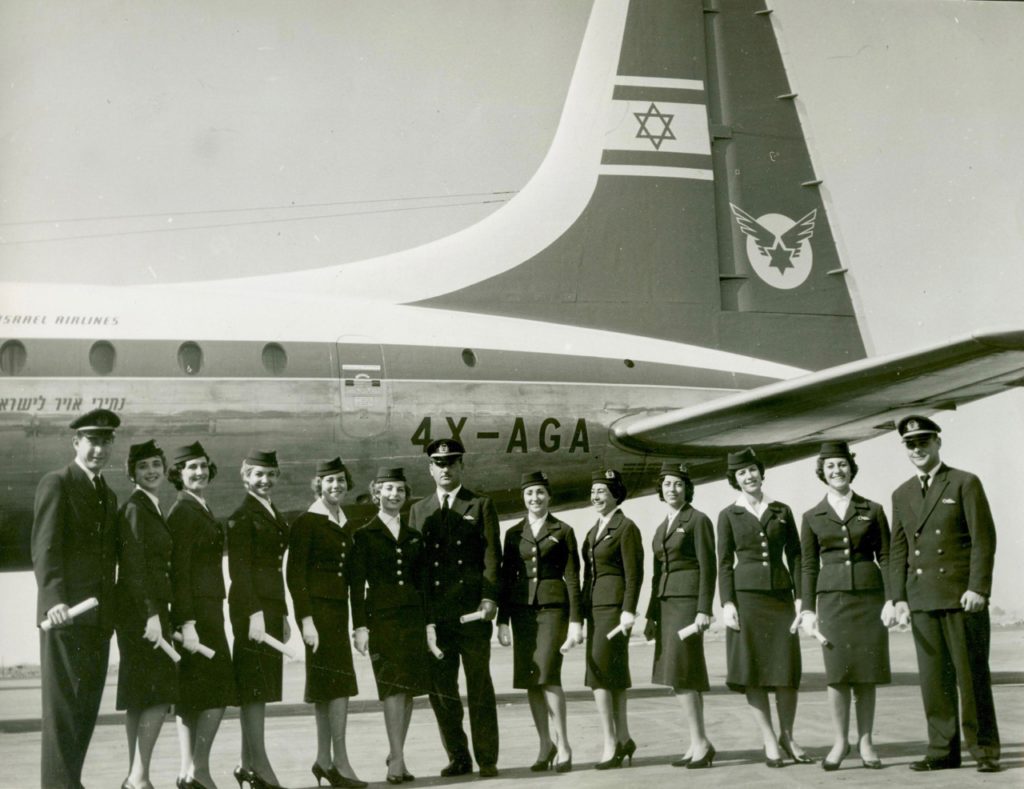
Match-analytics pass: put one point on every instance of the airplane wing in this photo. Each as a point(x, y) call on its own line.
point(853, 402)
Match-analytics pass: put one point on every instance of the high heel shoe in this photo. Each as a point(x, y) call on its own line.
point(181, 783)
point(334, 777)
point(871, 764)
point(773, 763)
point(705, 761)
point(801, 759)
point(542, 765)
point(626, 750)
point(194, 784)
point(257, 781)
point(831, 767)
point(615, 761)
point(406, 775)
point(564, 767)
point(242, 775)
point(682, 761)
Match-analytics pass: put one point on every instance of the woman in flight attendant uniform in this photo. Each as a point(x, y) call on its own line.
point(257, 539)
point(613, 561)
point(319, 551)
point(681, 595)
point(147, 682)
point(206, 686)
point(388, 611)
point(540, 594)
point(844, 544)
point(759, 577)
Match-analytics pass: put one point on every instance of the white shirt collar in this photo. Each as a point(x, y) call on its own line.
point(151, 497)
point(201, 500)
point(672, 514)
point(451, 494)
point(319, 508)
point(758, 510)
point(392, 522)
point(265, 502)
point(536, 524)
point(90, 474)
point(841, 504)
point(930, 472)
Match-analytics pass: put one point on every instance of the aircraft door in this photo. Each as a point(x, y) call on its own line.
point(365, 394)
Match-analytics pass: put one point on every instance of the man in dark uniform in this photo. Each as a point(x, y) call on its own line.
point(74, 555)
point(943, 549)
point(463, 548)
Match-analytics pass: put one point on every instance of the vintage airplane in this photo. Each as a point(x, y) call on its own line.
point(667, 285)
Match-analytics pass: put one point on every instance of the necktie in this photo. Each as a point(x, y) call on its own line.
point(924, 485)
point(445, 509)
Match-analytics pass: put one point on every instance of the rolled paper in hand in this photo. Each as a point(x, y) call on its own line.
point(796, 624)
point(203, 650)
point(270, 641)
point(476, 616)
point(78, 608)
point(821, 638)
point(435, 651)
point(616, 630)
point(690, 630)
point(168, 649)
point(569, 644)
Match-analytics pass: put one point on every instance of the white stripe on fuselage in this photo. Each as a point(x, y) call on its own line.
point(204, 313)
point(660, 82)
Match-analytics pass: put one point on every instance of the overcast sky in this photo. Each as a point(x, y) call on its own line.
point(168, 142)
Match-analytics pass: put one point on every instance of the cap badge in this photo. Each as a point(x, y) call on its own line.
point(609, 474)
point(913, 425)
point(443, 449)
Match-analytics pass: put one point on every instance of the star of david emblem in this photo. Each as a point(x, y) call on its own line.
point(655, 116)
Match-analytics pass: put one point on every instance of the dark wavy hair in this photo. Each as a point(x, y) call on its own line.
point(819, 467)
point(688, 487)
point(731, 473)
point(174, 472)
point(130, 466)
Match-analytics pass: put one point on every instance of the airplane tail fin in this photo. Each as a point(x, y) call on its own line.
point(706, 223)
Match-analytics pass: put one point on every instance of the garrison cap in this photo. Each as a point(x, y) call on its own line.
point(445, 448)
point(613, 480)
point(147, 449)
point(741, 459)
point(262, 457)
point(913, 425)
point(333, 466)
point(532, 478)
point(835, 449)
point(99, 420)
point(672, 468)
point(187, 453)
point(394, 474)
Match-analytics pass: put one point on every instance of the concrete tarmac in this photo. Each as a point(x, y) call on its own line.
point(656, 724)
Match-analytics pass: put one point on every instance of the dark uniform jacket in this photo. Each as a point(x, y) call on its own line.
point(385, 573)
point(541, 571)
point(197, 558)
point(844, 554)
point(74, 545)
point(613, 568)
point(144, 558)
point(751, 551)
point(942, 545)
point(256, 544)
point(684, 561)
point(464, 555)
point(319, 551)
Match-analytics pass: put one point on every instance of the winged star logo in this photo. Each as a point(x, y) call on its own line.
point(654, 117)
point(779, 249)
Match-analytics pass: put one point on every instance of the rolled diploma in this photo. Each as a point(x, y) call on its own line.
point(435, 651)
point(202, 649)
point(476, 616)
point(78, 608)
point(690, 630)
point(270, 641)
point(821, 638)
point(615, 631)
point(569, 644)
point(168, 649)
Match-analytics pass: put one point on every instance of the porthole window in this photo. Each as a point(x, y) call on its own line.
point(190, 358)
point(468, 357)
point(12, 357)
point(274, 358)
point(629, 363)
point(102, 357)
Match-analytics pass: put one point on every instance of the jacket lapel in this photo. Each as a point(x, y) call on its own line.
point(935, 489)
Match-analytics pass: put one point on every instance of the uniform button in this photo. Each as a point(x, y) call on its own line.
point(437, 583)
point(399, 560)
point(398, 572)
point(942, 569)
point(847, 562)
point(339, 575)
point(401, 583)
point(919, 571)
point(534, 551)
point(399, 551)
point(460, 561)
point(765, 554)
point(846, 539)
point(437, 564)
point(941, 551)
point(458, 542)
point(847, 551)
point(765, 564)
point(764, 545)
point(938, 531)
point(845, 527)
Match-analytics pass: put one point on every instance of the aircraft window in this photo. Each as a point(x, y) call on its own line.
point(629, 363)
point(468, 357)
point(190, 358)
point(101, 357)
point(274, 358)
point(12, 357)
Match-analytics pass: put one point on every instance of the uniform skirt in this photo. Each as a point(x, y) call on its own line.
point(859, 642)
point(607, 661)
point(679, 664)
point(537, 634)
point(207, 683)
point(329, 671)
point(763, 653)
point(146, 676)
point(258, 666)
point(398, 652)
